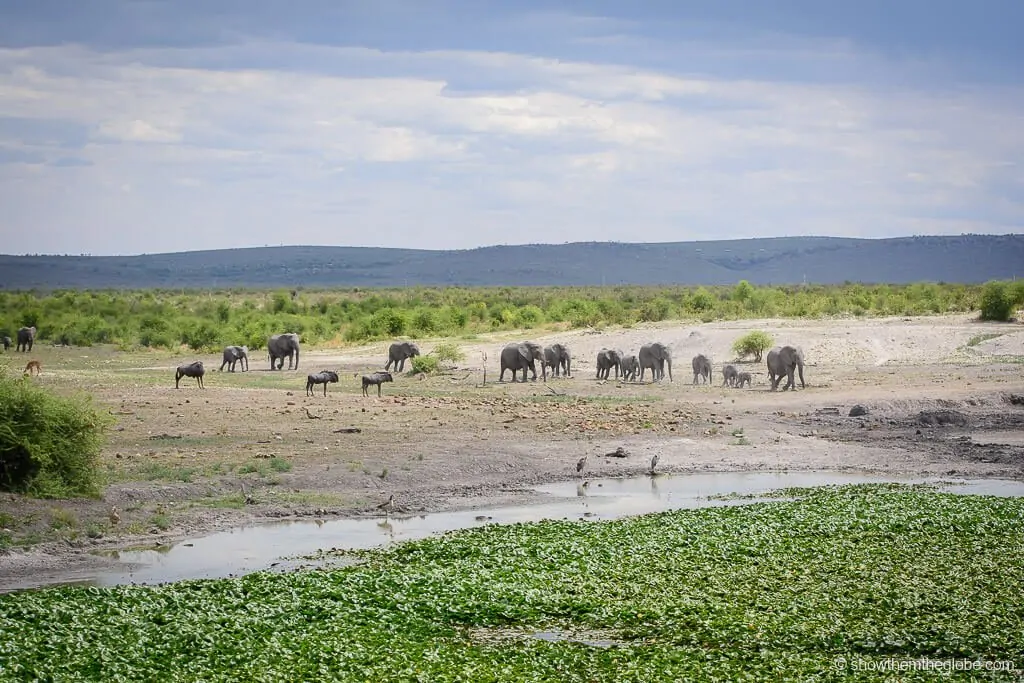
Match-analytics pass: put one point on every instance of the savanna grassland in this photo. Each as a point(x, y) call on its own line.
point(208, 320)
point(767, 591)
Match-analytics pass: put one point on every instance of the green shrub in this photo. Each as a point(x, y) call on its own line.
point(427, 364)
point(49, 445)
point(448, 353)
point(753, 344)
point(996, 301)
point(388, 322)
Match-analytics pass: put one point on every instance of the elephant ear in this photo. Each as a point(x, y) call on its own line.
point(524, 352)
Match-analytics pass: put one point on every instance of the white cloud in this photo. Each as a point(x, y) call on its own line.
point(410, 149)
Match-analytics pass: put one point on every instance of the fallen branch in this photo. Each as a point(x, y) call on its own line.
point(347, 430)
point(556, 393)
point(311, 416)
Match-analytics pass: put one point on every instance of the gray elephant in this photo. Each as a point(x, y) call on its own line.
point(399, 352)
point(606, 360)
point(281, 346)
point(655, 356)
point(26, 337)
point(233, 355)
point(741, 379)
point(522, 356)
point(630, 368)
point(701, 368)
point(7, 343)
point(557, 358)
point(729, 373)
point(782, 361)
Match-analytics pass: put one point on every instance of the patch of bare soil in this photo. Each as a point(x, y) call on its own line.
point(252, 447)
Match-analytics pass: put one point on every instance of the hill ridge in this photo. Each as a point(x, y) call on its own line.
point(766, 260)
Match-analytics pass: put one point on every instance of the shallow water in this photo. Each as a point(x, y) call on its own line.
point(279, 545)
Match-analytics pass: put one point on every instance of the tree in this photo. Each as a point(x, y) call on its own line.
point(753, 344)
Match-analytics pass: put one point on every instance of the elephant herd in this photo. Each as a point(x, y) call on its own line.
point(522, 357)
point(782, 361)
point(26, 337)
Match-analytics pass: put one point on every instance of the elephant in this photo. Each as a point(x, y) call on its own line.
point(741, 379)
point(7, 343)
point(782, 361)
point(26, 337)
point(557, 358)
point(190, 370)
point(606, 360)
point(630, 368)
point(655, 356)
point(522, 356)
point(233, 355)
point(729, 373)
point(701, 368)
point(399, 352)
point(281, 346)
point(323, 377)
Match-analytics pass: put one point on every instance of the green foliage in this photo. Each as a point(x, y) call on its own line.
point(427, 364)
point(997, 301)
point(208, 320)
point(49, 445)
point(448, 353)
point(758, 592)
point(754, 344)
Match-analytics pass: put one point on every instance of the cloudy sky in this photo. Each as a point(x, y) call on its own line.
point(166, 125)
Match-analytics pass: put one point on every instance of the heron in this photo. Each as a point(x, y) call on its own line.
point(580, 464)
point(387, 505)
point(654, 462)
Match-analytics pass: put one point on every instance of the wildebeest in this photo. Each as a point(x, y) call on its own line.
point(191, 370)
point(377, 379)
point(322, 377)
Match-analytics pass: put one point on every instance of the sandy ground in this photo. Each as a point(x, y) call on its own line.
point(944, 397)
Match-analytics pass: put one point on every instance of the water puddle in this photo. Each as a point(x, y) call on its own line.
point(279, 546)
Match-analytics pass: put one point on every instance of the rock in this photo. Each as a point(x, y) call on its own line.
point(942, 418)
point(858, 410)
point(1016, 399)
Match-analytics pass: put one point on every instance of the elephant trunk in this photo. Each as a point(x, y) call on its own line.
point(800, 368)
point(297, 358)
point(668, 362)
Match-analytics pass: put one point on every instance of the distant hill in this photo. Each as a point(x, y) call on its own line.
point(964, 258)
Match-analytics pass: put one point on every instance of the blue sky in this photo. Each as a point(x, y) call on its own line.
point(149, 126)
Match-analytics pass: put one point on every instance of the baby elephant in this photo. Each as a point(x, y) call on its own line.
point(729, 375)
point(741, 379)
point(376, 378)
point(191, 370)
point(7, 343)
point(322, 377)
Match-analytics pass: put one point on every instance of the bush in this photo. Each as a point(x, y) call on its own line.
point(427, 364)
point(996, 302)
point(448, 353)
point(49, 445)
point(753, 344)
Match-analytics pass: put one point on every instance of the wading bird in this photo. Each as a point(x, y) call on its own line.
point(654, 462)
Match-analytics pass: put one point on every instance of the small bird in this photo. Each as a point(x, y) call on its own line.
point(115, 516)
point(388, 504)
point(247, 497)
point(654, 462)
point(580, 464)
